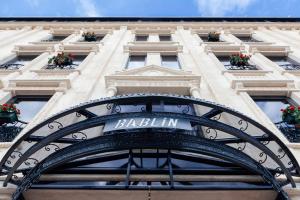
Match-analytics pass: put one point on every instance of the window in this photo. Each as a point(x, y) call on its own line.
point(29, 106)
point(56, 38)
point(247, 38)
point(285, 62)
point(204, 38)
point(18, 62)
point(170, 61)
point(163, 38)
point(225, 60)
point(141, 38)
point(272, 106)
point(136, 61)
point(78, 59)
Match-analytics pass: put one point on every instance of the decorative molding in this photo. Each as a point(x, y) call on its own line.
point(152, 47)
point(33, 49)
point(154, 78)
point(270, 50)
point(79, 48)
point(38, 86)
point(224, 49)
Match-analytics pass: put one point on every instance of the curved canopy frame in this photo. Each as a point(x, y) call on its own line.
point(210, 123)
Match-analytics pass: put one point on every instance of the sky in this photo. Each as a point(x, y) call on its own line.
point(150, 8)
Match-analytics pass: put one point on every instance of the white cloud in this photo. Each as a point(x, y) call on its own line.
point(33, 3)
point(87, 8)
point(221, 7)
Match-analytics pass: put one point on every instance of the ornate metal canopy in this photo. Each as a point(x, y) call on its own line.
point(175, 129)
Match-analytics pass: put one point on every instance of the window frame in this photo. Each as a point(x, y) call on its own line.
point(178, 61)
point(128, 61)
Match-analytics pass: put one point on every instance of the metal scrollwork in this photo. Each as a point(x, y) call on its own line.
point(262, 157)
point(31, 162)
point(50, 146)
point(241, 146)
point(241, 122)
point(14, 155)
point(185, 110)
point(54, 124)
point(217, 117)
point(79, 135)
point(77, 114)
point(211, 133)
point(266, 142)
point(281, 153)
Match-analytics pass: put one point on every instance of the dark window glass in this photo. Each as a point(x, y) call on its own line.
point(225, 60)
point(78, 59)
point(136, 61)
point(18, 62)
point(58, 37)
point(272, 106)
point(165, 38)
point(285, 62)
point(204, 38)
point(29, 106)
point(248, 38)
point(170, 61)
point(141, 37)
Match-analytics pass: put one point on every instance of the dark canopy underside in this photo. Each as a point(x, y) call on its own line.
point(182, 136)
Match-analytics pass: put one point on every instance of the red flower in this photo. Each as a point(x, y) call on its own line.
point(5, 105)
point(281, 110)
point(292, 108)
point(4, 109)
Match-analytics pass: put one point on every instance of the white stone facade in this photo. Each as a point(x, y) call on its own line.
point(103, 72)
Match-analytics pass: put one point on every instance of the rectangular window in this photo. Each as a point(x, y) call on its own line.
point(136, 61)
point(272, 107)
point(204, 38)
point(56, 38)
point(170, 61)
point(18, 62)
point(163, 38)
point(247, 38)
point(78, 59)
point(29, 106)
point(141, 38)
point(285, 62)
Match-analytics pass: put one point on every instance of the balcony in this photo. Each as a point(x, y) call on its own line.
point(289, 131)
point(17, 62)
point(290, 66)
point(247, 67)
point(9, 131)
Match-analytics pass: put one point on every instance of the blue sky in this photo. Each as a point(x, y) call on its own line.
point(150, 8)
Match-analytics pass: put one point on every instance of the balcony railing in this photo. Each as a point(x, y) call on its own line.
point(247, 67)
point(289, 131)
point(290, 66)
point(9, 131)
point(12, 66)
point(72, 66)
point(51, 40)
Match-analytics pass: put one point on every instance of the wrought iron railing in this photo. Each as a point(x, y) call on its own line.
point(9, 131)
point(246, 67)
point(51, 40)
point(289, 131)
point(11, 66)
point(290, 66)
point(71, 66)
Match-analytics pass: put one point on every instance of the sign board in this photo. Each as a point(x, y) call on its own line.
point(147, 122)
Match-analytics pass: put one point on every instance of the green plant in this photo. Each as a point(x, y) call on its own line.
point(61, 59)
point(213, 36)
point(8, 113)
point(291, 115)
point(239, 59)
point(89, 36)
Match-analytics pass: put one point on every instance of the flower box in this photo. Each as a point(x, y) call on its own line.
point(213, 37)
point(291, 115)
point(8, 113)
point(89, 36)
point(239, 60)
point(61, 59)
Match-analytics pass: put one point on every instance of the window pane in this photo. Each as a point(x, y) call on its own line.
point(78, 59)
point(271, 107)
point(29, 106)
point(141, 38)
point(22, 59)
point(165, 38)
point(170, 61)
point(136, 61)
point(225, 60)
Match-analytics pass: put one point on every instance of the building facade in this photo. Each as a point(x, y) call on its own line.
point(140, 108)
